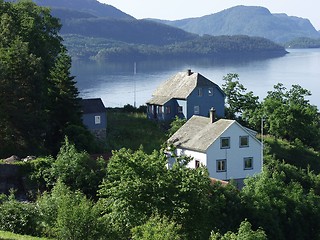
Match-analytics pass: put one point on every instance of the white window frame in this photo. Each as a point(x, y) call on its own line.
point(97, 119)
point(196, 109)
point(245, 161)
point(221, 165)
point(221, 142)
point(240, 141)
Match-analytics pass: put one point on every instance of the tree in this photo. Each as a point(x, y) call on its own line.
point(157, 228)
point(241, 105)
point(139, 185)
point(77, 170)
point(64, 106)
point(276, 201)
point(33, 68)
point(65, 214)
point(244, 232)
point(289, 115)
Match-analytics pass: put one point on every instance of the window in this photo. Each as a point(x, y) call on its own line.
point(221, 165)
point(180, 109)
point(248, 163)
point(97, 119)
point(168, 109)
point(196, 109)
point(225, 142)
point(160, 109)
point(210, 91)
point(197, 163)
point(200, 92)
point(244, 141)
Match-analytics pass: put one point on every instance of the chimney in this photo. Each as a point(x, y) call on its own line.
point(212, 114)
point(189, 72)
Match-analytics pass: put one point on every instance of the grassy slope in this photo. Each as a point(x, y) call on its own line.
point(132, 130)
point(293, 153)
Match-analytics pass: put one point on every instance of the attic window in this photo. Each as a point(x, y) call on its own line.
point(196, 109)
point(244, 141)
point(210, 91)
point(97, 119)
point(225, 142)
point(200, 92)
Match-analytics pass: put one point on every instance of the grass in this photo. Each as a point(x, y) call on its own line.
point(293, 153)
point(132, 130)
point(12, 236)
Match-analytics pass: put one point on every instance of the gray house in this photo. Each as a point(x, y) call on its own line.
point(184, 95)
point(94, 116)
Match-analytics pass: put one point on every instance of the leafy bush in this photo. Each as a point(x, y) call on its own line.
point(69, 215)
point(18, 217)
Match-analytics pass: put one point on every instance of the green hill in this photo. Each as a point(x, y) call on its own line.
point(251, 21)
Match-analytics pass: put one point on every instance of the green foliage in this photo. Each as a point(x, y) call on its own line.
point(175, 125)
point(245, 232)
point(77, 170)
point(277, 202)
point(210, 47)
point(18, 217)
point(289, 115)
point(69, 215)
point(35, 86)
point(139, 185)
point(64, 107)
point(157, 228)
point(241, 105)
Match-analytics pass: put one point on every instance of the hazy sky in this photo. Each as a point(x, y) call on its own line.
point(178, 9)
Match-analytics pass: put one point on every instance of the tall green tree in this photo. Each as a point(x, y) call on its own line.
point(289, 114)
point(38, 96)
point(64, 103)
point(139, 185)
point(240, 104)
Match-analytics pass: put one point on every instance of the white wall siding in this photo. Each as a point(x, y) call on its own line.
point(197, 156)
point(234, 155)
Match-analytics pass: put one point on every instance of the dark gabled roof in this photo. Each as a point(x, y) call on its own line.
point(180, 86)
point(92, 105)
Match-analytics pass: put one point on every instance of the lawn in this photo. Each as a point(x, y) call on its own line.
point(132, 130)
point(12, 236)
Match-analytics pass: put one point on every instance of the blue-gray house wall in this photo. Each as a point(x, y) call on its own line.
point(205, 102)
point(89, 120)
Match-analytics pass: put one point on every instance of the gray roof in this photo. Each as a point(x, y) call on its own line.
point(198, 133)
point(92, 105)
point(179, 86)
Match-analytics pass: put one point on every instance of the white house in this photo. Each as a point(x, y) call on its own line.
point(226, 148)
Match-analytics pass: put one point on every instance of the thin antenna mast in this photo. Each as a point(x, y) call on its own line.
point(134, 83)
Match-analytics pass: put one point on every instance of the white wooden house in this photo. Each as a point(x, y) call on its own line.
point(226, 148)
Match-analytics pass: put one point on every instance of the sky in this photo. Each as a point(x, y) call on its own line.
point(179, 9)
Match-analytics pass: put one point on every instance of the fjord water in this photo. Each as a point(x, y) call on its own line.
point(118, 84)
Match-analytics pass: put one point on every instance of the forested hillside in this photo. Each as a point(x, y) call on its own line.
point(108, 38)
point(251, 21)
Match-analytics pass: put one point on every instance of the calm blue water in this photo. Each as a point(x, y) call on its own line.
point(117, 84)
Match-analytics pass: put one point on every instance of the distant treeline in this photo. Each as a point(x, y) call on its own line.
point(303, 43)
point(101, 49)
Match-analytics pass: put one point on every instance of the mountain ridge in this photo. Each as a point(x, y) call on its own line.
point(248, 20)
